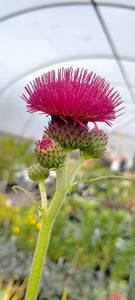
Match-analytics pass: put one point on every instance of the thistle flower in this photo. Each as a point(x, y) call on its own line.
point(49, 153)
point(73, 95)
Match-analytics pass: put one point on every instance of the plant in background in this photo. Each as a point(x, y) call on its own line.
point(15, 289)
point(15, 153)
point(72, 98)
point(19, 222)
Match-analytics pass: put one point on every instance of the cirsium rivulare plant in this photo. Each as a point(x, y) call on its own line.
point(72, 98)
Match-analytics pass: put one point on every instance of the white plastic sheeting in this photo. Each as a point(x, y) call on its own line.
point(37, 36)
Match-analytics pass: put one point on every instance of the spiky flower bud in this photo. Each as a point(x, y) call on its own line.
point(95, 145)
point(49, 153)
point(37, 173)
point(69, 136)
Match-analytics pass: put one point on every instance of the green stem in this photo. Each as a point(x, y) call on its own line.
point(109, 177)
point(74, 171)
point(59, 194)
point(101, 178)
point(48, 218)
point(43, 195)
point(38, 260)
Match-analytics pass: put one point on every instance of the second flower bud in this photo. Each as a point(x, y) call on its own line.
point(49, 153)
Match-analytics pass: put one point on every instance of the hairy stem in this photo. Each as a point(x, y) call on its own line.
point(48, 218)
point(43, 196)
point(38, 260)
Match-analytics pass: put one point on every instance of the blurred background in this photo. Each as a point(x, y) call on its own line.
point(92, 249)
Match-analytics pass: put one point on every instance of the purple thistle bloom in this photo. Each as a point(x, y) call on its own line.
point(73, 95)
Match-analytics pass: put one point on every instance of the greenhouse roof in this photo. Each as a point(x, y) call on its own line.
point(37, 36)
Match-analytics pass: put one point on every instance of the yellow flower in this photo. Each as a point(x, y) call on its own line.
point(38, 225)
point(16, 229)
point(30, 217)
point(32, 220)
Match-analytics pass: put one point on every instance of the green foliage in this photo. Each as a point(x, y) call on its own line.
point(88, 230)
point(95, 230)
point(20, 223)
point(80, 283)
point(90, 234)
point(15, 153)
point(13, 261)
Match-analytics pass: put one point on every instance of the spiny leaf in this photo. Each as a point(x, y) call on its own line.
point(15, 189)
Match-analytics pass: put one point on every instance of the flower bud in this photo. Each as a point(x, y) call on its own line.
point(49, 153)
point(95, 145)
point(37, 173)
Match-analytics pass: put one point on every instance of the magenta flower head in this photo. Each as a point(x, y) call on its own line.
point(115, 297)
point(74, 95)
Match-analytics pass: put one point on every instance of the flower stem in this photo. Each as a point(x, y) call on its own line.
point(43, 195)
point(74, 171)
point(48, 218)
point(59, 194)
point(38, 260)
